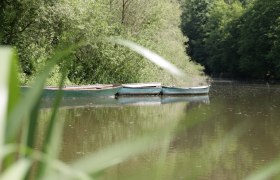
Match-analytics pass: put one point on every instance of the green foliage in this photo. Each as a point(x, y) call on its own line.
point(238, 38)
point(217, 29)
point(259, 40)
point(36, 28)
point(194, 17)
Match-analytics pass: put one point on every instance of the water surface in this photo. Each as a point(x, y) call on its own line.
point(228, 137)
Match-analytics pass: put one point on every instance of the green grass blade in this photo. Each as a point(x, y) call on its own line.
point(54, 130)
point(6, 150)
point(32, 124)
point(58, 166)
point(17, 171)
point(266, 172)
point(116, 154)
point(24, 107)
point(31, 130)
point(8, 89)
point(14, 91)
point(5, 67)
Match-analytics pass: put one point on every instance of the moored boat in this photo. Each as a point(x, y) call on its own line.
point(140, 89)
point(185, 90)
point(84, 91)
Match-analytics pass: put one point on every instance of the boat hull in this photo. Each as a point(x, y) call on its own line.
point(140, 91)
point(185, 91)
point(84, 92)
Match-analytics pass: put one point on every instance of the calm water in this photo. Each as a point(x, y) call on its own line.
point(228, 135)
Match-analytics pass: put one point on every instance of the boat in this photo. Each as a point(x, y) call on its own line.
point(84, 91)
point(166, 90)
point(140, 89)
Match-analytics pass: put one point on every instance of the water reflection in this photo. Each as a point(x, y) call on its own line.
point(139, 100)
point(228, 139)
point(83, 102)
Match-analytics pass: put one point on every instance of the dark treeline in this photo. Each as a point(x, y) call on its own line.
point(37, 27)
point(234, 38)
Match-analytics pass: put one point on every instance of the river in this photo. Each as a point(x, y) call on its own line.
point(227, 135)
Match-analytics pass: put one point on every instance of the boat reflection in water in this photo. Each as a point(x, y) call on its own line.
point(80, 102)
point(158, 100)
point(139, 100)
point(204, 99)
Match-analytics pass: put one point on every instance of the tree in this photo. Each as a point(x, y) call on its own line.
point(37, 28)
point(235, 38)
point(259, 40)
point(219, 40)
point(194, 18)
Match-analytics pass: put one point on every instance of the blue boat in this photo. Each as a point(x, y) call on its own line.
point(141, 89)
point(185, 90)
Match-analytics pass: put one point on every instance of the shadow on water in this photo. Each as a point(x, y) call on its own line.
point(229, 138)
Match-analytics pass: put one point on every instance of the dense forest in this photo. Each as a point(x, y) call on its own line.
point(231, 38)
point(234, 38)
point(38, 27)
